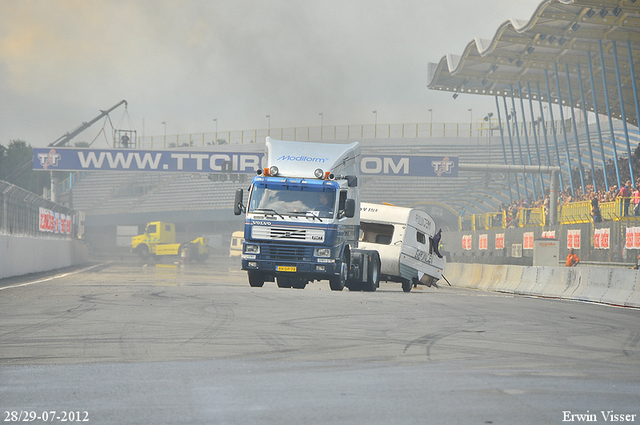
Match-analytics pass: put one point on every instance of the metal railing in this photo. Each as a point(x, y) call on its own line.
point(22, 214)
point(480, 129)
point(620, 209)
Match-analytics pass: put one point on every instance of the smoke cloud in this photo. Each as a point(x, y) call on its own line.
point(186, 63)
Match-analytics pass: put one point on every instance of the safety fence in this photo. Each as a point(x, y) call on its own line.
point(609, 242)
point(620, 209)
point(480, 129)
point(23, 213)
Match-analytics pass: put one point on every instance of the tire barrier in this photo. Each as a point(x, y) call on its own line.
point(613, 286)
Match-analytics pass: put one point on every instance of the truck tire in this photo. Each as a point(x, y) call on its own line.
point(143, 251)
point(298, 283)
point(284, 282)
point(373, 274)
point(292, 282)
point(336, 283)
point(256, 279)
point(202, 258)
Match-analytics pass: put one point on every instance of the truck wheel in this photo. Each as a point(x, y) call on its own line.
point(284, 282)
point(202, 258)
point(373, 274)
point(406, 285)
point(299, 283)
point(143, 251)
point(355, 286)
point(256, 279)
point(336, 283)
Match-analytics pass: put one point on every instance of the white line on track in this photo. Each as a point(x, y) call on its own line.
point(53, 277)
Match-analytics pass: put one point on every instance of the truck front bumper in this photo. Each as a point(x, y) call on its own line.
point(314, 270)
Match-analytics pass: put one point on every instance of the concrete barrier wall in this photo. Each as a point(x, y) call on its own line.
point(23, 255)
point(598, 284)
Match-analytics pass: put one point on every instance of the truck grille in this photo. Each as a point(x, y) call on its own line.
point(287, 253)
point(287, 234)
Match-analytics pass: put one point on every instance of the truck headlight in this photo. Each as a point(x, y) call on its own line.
point(323, 252)
point(252, 249)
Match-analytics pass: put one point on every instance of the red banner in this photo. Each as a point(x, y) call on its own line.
point(527, 240)
point(632, 238)
point(53, 222)
point(601, 238)
point(573, 239)
point(483, 242)
point(466, 242)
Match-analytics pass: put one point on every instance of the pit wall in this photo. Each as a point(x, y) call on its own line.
point(613, 286)
point(20, 255)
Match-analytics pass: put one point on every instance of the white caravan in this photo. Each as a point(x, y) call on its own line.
point(404, 238)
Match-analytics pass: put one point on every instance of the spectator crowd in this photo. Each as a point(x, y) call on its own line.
point(630, 195)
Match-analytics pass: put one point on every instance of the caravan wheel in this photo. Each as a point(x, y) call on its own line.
point(406, 285)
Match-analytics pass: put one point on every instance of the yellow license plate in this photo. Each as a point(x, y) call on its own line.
point(286, 268)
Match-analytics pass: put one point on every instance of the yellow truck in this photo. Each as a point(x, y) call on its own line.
point(159, 239)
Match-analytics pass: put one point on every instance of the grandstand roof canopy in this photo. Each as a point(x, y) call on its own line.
point(562, 32)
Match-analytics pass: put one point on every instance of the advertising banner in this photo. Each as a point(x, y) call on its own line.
point(419, 166)
point(467, 242)
point(53, 222)
point(527, 240)
point(67, 159)
point(573, 239)
point(79, 159)
point(601, 238)
point(632, 238)
point(483, 241)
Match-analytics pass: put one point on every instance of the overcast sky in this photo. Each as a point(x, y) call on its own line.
point(186, 62)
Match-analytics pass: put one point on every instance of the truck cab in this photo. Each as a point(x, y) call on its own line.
point(159, 239)
point(155, 233)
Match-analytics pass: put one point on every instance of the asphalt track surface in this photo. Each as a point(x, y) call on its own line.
point(129, 343)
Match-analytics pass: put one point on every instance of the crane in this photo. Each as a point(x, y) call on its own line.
point(63, 140)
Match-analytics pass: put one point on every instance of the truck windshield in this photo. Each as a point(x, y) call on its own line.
point(293, 200)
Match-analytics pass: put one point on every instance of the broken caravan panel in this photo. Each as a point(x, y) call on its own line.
point(404, 239)
point(293, 238)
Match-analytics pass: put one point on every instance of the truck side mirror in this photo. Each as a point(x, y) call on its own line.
point(237, 206)
point(350, 208)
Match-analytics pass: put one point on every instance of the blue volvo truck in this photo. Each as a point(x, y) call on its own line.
point(303, 218)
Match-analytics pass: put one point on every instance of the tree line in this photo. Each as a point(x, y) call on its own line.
point(14, 156)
